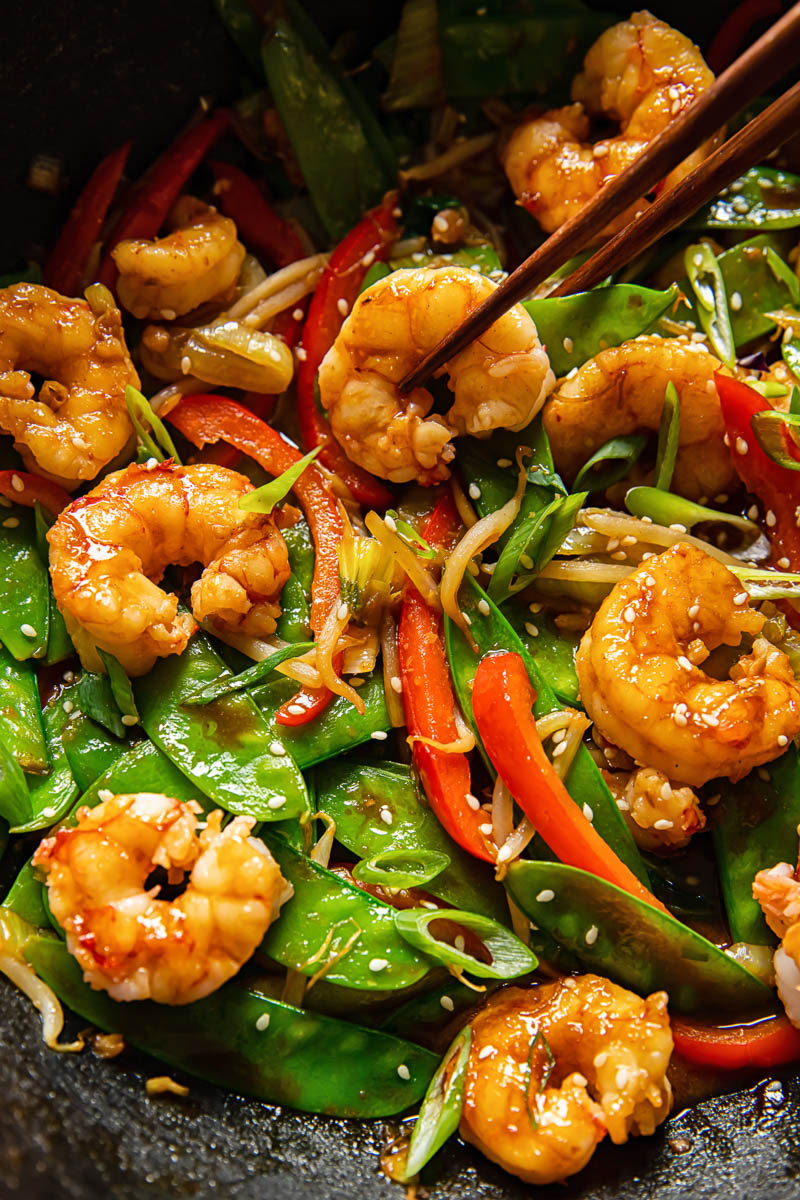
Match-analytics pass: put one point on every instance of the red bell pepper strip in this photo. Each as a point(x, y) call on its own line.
point(261, 229)
point(778, 488)
point(149, 203)
point(337, 290)
point(206, 417)
point(769, 1043)
point(223, 455)
point(729, 40)
point(68, 260)
point(502, 701)
point(312, 701)
point(26, 489)
point(429, 703)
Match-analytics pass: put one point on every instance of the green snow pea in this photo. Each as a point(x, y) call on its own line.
point(631, 942)
point(20, 714)
point(25, 595)
point(144, 768)
point(575, 328)
point(225, 747)
point(293, 623)
point(240, 21)
point(89, 748)
point(355, 795)
point(535, 538)
point(585, 783)
point(26, 898)
point(248, 1043)
point(51, 796)
point(15, 804)
point(762, 198)
point(710, 300)
point(94, 696)
point(250, 677)
point(328, 917)
point(59, 643)
point(754, 827)
point(421, 1018)
point(553, 649)
point(484, 257)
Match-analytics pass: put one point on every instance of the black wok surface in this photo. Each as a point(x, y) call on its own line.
point(76, 77)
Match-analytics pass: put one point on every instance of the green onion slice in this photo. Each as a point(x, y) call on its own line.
point(264, 499)
point(399, 869)
point(150, 429)
point(248, 678)
point(121, 688)
point(441, 1108)
point(510, 956)
point(771, 429)
point(708, 284)
point(665, 508)
point(668, 437)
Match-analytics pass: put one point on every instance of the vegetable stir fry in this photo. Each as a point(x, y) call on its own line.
point(429, 752)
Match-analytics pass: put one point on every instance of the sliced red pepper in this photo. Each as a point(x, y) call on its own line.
point(313, 702)
point(206, 417)
point(261, 229)
point(66, 265)
point(768, 1043)
point(778, 488)
point(429, 703)
point(338, 289)
point(502, 701)
point(146, 211)
point(24, 488)
point(736, 30)
point(223, 455)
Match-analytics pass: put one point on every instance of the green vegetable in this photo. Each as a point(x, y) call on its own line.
point(95, 697)
point(553, 649)
point(420, 1018)
point(52, 796)
point(631, 942)
point(378, 270)
point(121, 688)
point(441, 1109)
point(15, 804)
point(224, 747)
point(665, 508)
point(399, 869)
point(416, 72)
point(510, 957)
point(708, 284)
point(482, 258)
point(150, 429)
point(20, 714)
point(762, 198)
point(247, 1043)
point(330, 923)
point(611, 462)
point(770, 427)
point(669, 433)
point(532, 543)
point(263, 499)
point(89, 748)
point(25, 898)
point(59, 643)
point(791, 356)
point(240, 21)
point(293, 623)
point(228, 684)
point(25, 595)
point(143, 768)
point(768, 585)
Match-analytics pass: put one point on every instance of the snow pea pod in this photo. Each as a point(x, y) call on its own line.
point(552, 648)
point(586, 785)
point(330, 921)
point(632, 942)
point(26, 898)
point(144, 768)
point(754, 827)
point(90, 750)
point(225, 747)
point(376, 809)
point(52, 795)
point(293, 623)
point(240, 21)
point(762, 198)
point(25, 595)
point(482, 259)
point(422, 1017)
point(59, 643)
point(248, 1043)
point(15, 804)
point(20, 714)
point(575, 328)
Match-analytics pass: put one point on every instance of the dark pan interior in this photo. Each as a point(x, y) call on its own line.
point(76, 77)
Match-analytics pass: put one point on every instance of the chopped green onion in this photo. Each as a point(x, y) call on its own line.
point(783, 273)
point(532, 545)
point(399, 869)
point(665, 508)
point(264, 499)
point(410, 536)
point(150, 429)
point(615, 458)
point(248, 678)
point(794, 401)
point(708, 284)
point(791, 354)
point(121, 688)
point(96, 699)
point(770, 389)
point(669, 433)
point(441, 1108)
point(768, 585)
point(770, 428)
point(510, 956)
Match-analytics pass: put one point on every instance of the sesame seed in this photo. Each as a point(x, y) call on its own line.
point(11, 523)
point(459, 944)
point(666, 790)
point(483, 607)
point(710, 719)
point(588, 812)
point(697, 259)
point(663, 823)
point(390, 523)
point(680, 719)
point(629, 540)
point(467, 620)
point(601, 1059)
point(396, 684)
point(612, 544)
point(67, 706)
point(630, 614)
point(473, 802)
point(487, 829)
point(403, 1071)
point(736, 301)
point(378, 964)
point(591, 935)
point(783, 739)
point(186, 365)
point(694, 610)
point(151, 464)
point(531, 629)
point(104, 795)
point(343, 306)
point(504, 462)
point(676, 527)
point(276, 748)
point(740, 598)
point(485, 1052)
point(600, 150)
point(17, 483)
point(559, 749)
point(447, 1003)
point(621, 1078)
point(568, 345)
point(368, 259)
point(545, 896)
point(771, 519)
point(650, 580)
point(342, 612)
point(27, 629)
point(505, 853)
point(619, 555)
point(474, 491)
point(784, 564)
point(559, 735)
point(379, 735)
point(300, 354)
point(386, 816)
point(752, 512)
point(684, 662)
point(276, 802)
point(129, 719)
point(262, 1022)
point(740, 205)
point(741, 446)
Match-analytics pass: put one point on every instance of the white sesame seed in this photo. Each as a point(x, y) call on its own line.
point(276, 802)
point(559, 749)
point(447, 1003)
point(396, 684)
point(386, 816)
point(186, 365)
point(485, 1052)
point(752, 512)
point(11, 523)
point(676, 527)
point(467, 619)
point(343, 306)
point(666, 790)
point(17, 483)
point(783, 739)
point(740, 598)
point(459, 944)
point(697, 259)
point(612, 544)
point(262, 1022)
point(342, 612)
point(300, 353)
point(588, 812)
point(680, 719)
point(473, 802)
point(568, 345)
point(740, 205)
point(621, 1078)
point(379, 735)
point(487, 829)
point(741, 446)
point(663, 823)
point(390, 523)
point(378, 964)
point(619, 555)
point(784, 564)
point(591, 935)
point(368, 259)
point(129, 719)
point(771, 519)
point(276, 748)
point(505, 853)
point(650, 580)
point(684, 662)
point(736, 301)
point(474, 491)
point(571, 373)
point(27, 629)
point(67, 706)
point(483, 607)
point(629, 540)
point(531, 629)
point(559, 735)
point(545, 896)
point(600, 149)
point(630, 614)
point(693, 611)
point(403, 1071)
point(297, 314)
point(601, 1059)
point(104, 795)
point(710, 719)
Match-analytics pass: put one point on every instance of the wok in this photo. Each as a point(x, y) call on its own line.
point(77, 78)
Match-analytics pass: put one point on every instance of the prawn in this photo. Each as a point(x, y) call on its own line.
point(78, 423)
point(621, 391)
point(500, 381)
point(128, 941)
point(777, 890)
point(659, 815)
point(199, 260)
point(109, 548)
point(640, 74)
point(639, 671)
point(552, 1069)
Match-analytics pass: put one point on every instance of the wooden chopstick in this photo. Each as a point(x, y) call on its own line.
point(758, 68)
point(769, 130)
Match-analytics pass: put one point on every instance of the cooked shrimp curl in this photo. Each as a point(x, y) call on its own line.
point(78, 423)
point(641, 681)
point(777, 890)
point(128, 941)
point(199, 260)
point(660, 817)
point(552, 1069)
point(500, 381)
point(110, 548)
point(621, 391)
point(640, 74)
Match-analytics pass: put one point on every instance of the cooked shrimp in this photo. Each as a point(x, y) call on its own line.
point(660, 816)
point(109, 549)
point(552, 1069)
point(198, 261)
point(640, 74)
point(78, 423)
point(129, 942)
point(777, 890)
point(500, 381)
point(621, 391)
point(641, 683)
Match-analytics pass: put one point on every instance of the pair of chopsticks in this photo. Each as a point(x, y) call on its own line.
point(766, 61)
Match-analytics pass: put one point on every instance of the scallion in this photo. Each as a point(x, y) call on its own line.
point(510, 956)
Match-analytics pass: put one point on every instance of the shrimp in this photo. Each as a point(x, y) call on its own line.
point(660, 816)
point(552, 1069)
point(500, 381)
point(639, 74)
point(78, 423)
point(777, 890)
point(621, 391)
point(641, 683)
point(129, 942)
point(199, 260)
point(109, 549)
